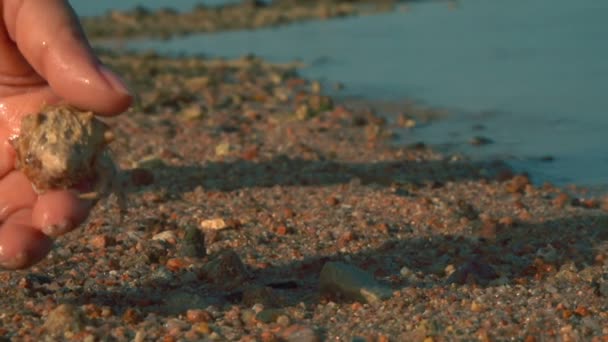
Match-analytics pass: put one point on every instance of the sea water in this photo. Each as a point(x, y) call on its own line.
point(531, 75)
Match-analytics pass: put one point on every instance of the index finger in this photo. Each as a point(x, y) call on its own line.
point(51, 39)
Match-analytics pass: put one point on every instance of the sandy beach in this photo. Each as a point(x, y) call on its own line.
point(261, 209)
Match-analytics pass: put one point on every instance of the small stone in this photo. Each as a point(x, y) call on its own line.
point(140, 336)
point(264, 295)
point(299, 333)
point(269, 315)
point(581, 311)
point(345, 238)
point(64, 318)
point(474, 271)
point(166, 236)
point(476, 307)
point(214, 224)
point(406, 272)
point(250, 153)
point(222, 149)
point(100, 241)
point(351, 283)
point(331, 201)
point(561, 200)
point(403, 120)
point(201, 328)
point(304, 112)
point(517, 184)
point(604, 204)
point(248, 316)
point(197, 316)
point(602, 288)
point(268, 336)
point(283, 320)
point(281, 230)
point(176, 264)
point(192, 112)
point(131, 316)
point(193, 243)
point(161, 275)
point(226, 269)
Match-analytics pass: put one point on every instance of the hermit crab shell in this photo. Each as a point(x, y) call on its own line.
point(60, 147)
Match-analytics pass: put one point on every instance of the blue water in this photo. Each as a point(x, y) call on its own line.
point(534, 73)
point(92, 7)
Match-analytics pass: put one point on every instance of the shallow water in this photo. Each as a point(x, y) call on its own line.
point(533, 73)
point(91, 7)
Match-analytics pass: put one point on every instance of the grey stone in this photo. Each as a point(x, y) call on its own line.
point(351, 283)
point(193, 244)
point(226, 270)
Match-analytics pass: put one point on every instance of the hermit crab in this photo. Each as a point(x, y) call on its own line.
point(61, 147)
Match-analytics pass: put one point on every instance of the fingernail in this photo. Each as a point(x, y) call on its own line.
point(16, 262)
point(58, 229)
point(115, 82)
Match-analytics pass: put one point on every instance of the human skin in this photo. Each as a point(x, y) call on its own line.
point(44, 59)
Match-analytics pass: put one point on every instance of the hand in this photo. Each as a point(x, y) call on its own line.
point(44, 59)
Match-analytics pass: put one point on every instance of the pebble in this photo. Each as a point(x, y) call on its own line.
point(226, 270)
point(478, 272)
point(351, 283)
point(602, 288)
point(299, 333)
point(64, 318)
point(264, 295)
point(166, 236)
point(193, 243)
point(197, 316)
point(100, 241)
point(131, 316)
point(202, 328)
point(214, 224)
point(161, 275)
point(269, 315)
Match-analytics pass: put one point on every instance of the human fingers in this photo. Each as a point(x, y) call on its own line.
point(49, 35)
point(58, 212)
point(16, 193)
point(22, 245)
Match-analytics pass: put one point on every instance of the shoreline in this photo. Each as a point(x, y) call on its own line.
point(166, 23)
point(259, 205)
